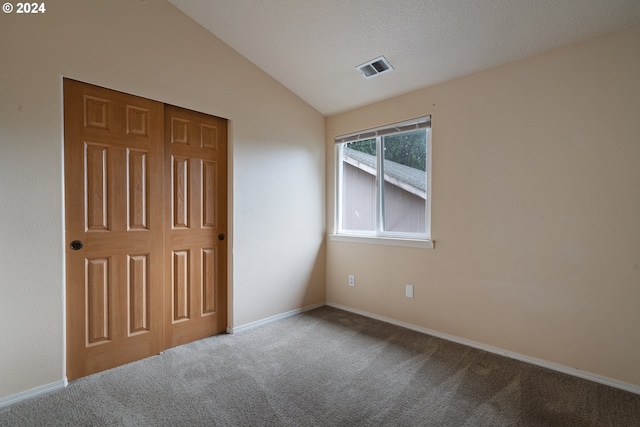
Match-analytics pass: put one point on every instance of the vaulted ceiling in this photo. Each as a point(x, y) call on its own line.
point(313, 46)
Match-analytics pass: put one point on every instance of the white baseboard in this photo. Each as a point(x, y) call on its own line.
point(273, 318)
point(34, 392)
point(512, 355)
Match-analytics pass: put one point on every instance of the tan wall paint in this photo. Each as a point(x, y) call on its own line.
point(535, 213)
point(153, 50)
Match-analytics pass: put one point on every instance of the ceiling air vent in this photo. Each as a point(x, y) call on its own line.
point(374, 67)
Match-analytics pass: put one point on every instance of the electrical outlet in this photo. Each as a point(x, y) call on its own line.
point(352, 280)
point(408, 291)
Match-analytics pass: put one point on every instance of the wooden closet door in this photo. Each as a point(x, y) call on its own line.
point(195, 265)
point(114, 227)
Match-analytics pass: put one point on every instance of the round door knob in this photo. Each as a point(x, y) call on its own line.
point(76, 245)
point(221, 236)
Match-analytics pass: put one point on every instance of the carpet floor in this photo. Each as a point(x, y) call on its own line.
point(328, 367)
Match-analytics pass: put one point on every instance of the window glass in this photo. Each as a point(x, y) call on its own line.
point(405, 182)
point(359, 173)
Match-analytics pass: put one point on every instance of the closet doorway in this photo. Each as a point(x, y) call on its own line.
point(146, 225)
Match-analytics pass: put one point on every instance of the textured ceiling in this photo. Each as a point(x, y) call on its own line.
point(313, 46)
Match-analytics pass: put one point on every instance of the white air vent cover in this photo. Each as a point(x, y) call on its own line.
point(374, 67)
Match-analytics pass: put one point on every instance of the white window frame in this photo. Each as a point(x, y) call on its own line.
point(422, 240)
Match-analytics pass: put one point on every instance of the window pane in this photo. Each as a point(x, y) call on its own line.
point(405, 182)
point(359, 171)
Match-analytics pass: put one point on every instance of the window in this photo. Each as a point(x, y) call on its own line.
point(383, 182)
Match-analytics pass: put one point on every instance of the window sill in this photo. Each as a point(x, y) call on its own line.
point(388, 241)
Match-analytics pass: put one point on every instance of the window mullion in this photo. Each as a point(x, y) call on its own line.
point(339, 190)
point(380, 183)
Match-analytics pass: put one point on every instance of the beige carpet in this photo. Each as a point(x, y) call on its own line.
point(328, 367)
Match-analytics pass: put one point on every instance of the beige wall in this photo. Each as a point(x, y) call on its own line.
point(149, 49)
point(535, 212)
